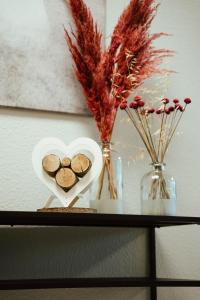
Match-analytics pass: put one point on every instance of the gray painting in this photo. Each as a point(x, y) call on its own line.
point(36, 67)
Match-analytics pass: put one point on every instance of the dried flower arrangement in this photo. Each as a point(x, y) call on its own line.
point(109, 76)
point(169, 117)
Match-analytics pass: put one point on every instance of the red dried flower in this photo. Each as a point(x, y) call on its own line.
point(123, 105)
point(187, 100)
point(141, 103)
point(151, 110)
point(133, 105)
point(158, 111)
point(165, 100)
point(171, 108)
point(157, 144)
point(180, 107)
point(137, 98)
point(176, 101)
point(167, 111)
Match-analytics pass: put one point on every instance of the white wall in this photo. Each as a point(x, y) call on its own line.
point(178, 249)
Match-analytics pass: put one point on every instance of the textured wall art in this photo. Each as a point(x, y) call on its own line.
point(36, 68)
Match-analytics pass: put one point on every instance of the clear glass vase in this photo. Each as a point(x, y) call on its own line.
point(158, 192)
point(106, 192)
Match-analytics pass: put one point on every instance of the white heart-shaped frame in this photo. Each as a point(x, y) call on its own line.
point(85, 146)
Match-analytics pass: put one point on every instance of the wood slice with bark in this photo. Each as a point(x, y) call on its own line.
point(66, 162)
point(51, 164)
point(66, 179)
point(80, 164)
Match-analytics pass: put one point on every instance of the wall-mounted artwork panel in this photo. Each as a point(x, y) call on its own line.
point(36, 67)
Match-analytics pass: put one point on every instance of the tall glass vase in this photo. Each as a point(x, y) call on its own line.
point(107, 191)
point(158, 192)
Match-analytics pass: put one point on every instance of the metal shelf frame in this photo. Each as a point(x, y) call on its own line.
point(16, 218)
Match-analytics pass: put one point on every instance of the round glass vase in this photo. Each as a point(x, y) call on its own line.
point(158, 192)
point(106, 192)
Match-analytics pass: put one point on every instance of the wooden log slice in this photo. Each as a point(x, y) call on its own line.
point(51, 164)
point(66, 179)
point(80, 164)
point(66, 162)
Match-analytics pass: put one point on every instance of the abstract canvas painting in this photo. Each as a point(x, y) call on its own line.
point(36, 66)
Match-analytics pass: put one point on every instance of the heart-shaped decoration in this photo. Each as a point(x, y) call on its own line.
point(55, 146)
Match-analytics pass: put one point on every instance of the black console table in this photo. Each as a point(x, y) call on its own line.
point(13, 218)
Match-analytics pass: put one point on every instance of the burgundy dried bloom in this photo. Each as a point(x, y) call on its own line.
point(158, 111)
point(140, 103)
point(171, 108)
point(151, 110)
point(123, 105)
point(133, 105)
point(165, 100)
point(180, 107)
point(137, 98)
point(187, 100)
point(167, 111)
point(176, 101)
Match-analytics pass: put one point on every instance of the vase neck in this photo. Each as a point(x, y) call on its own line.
point(106, 145)
point(158, 166)
point(106, 148)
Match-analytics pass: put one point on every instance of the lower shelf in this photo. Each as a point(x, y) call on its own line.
point(94, 282)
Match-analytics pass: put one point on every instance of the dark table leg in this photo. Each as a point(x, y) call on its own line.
point(152, 261)
point(153, 293)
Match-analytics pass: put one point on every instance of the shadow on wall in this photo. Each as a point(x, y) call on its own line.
point(78, 294)
point(40, 114)
point(72, 252)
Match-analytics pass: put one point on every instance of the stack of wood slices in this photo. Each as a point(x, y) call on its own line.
point(66, 172)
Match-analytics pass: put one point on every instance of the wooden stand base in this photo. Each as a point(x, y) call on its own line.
point(68, 210)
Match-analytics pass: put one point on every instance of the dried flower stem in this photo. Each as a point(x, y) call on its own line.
point(159, 189)
point(140, 132)
point(172, 132)
point(150, 135)
point(163, 127)
point(107, 168)
point(168, 123)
